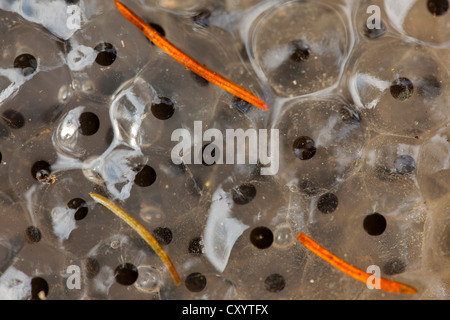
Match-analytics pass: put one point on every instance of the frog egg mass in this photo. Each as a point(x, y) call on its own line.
point(224, 150)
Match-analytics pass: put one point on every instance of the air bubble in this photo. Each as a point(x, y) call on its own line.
point(151, 214)
point(64, 94)
point(149, 279)
point(88, 87)
point(283, 236)
point(115, 244)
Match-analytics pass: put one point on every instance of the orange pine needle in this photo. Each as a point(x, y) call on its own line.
point(142, 232)
point(352, 271)
point(188, 61)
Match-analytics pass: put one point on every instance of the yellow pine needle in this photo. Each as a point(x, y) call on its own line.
point(352, 271)
point(142, 232)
